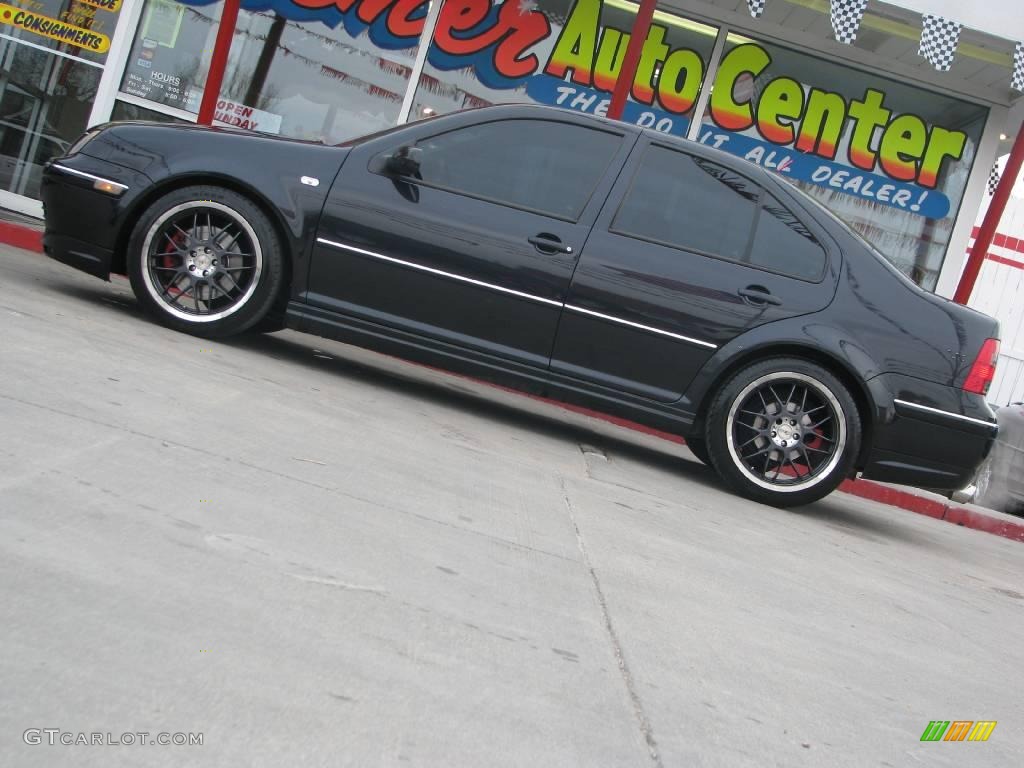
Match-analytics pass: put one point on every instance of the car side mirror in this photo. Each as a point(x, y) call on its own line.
point(404, 163)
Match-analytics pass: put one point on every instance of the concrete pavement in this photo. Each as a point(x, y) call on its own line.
point(314, 555)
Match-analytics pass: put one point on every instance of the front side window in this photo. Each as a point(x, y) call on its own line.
point(540, 165)
point(687, 202)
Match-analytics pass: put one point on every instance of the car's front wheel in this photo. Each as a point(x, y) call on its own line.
point(205, 260)
point(784, 432)
point(699, 448)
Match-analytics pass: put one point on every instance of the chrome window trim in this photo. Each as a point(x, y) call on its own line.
point(90, 176)
point(511, 292)
point(642, 327)
point(950, 414)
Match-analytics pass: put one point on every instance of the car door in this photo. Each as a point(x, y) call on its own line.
point(686, 254)
point(473, 243)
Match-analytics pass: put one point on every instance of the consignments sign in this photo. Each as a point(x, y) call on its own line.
point(54, 29)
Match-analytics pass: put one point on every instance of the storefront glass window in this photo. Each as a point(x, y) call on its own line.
point(126, 111)
point(312, 80)
point(51, 59)
point(170, 55)
point(80, 29)
point(890, 159)
point(296, 68)
point(564, 53)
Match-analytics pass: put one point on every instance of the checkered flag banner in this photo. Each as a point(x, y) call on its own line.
point(1018, 67)
point(939, 38)
point(756, 7)
point(993, 178)
point(846, 16)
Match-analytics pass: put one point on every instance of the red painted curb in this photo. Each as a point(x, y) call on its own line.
point(32, 240)
point(949, 512)
point(979, 521)
point(894, 497)
point(21, 236)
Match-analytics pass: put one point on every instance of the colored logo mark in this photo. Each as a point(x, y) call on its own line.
point(958, 730)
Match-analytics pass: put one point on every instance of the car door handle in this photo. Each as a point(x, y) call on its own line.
point(758, 294)
point(549, 244)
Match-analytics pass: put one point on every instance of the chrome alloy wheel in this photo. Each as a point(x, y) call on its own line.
point(786, 431)
point(202, 261)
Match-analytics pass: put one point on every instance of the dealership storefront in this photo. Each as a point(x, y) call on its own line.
point(896, 152)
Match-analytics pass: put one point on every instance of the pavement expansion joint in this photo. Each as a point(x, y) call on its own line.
point(639, 711)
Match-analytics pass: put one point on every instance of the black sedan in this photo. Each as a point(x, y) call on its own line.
point(580, 258)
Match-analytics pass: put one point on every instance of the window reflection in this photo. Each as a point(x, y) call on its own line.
point(308, 81)
point(45, 102)
point(554, 173)
point(687, 202)
point(170, 55)
point(301, 79)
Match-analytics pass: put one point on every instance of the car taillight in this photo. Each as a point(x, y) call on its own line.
point(984, 368)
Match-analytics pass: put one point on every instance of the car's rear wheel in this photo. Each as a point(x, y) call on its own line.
point(784, 432)
point(205, 260)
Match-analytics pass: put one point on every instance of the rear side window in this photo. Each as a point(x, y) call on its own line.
point(782, 243)
point(685, 201)
point(540, 165)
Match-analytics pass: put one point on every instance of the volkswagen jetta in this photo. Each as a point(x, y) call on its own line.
point(563, 254)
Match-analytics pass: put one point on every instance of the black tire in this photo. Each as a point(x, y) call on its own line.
point(272, 322)
point(783, 432)
point(206, 261)
point(699, 448)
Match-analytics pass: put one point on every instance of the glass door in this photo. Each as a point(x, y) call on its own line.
point(52, 54)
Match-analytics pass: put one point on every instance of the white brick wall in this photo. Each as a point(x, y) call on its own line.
point(1000, 292)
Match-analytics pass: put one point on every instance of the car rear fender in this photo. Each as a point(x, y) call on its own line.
point(809, 337)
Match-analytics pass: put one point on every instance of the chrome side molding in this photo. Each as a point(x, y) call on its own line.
point(948, 414)
point(520, 294)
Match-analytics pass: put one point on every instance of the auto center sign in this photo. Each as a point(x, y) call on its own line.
point(858, 146)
